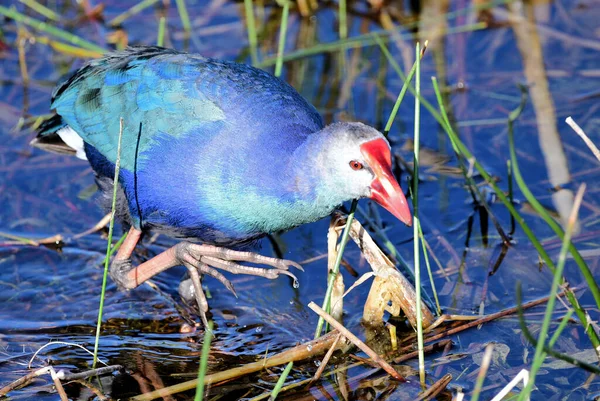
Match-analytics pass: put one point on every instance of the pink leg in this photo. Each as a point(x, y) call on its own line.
point(198, 259)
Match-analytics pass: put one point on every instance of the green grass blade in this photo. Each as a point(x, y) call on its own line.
point(405, 85)
point(136, 9)
point(529, 337)
point(109, 245)
point(184, 16)
point(539, 356)
point(251, 27)
point(358, 41)
point(49, 29)
point(23, 240)
point(510, 194)
point(438, 308)
point(401, 75)
point(115, 248)
point(367, 39)
point(282, 34)
point(589, 277)
point(561, 327)
point(41, 9)
point(160, 40)
point(281, 381)
point(416, 223)
point(343, 16)
point(478, 197)
point(208, 332)
point(464, 152)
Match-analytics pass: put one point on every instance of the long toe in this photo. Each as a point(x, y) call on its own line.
point(209, 271)
point(287, 263)
point(236, 268)
point(198, 251)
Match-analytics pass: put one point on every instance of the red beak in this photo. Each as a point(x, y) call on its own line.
point(385, 190)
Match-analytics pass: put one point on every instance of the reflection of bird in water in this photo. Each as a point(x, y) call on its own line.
point(214, 152)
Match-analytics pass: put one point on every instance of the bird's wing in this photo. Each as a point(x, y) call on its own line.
point(160, 92)
point(152, 96)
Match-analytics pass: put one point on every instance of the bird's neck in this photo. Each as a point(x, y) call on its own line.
point(308, 178)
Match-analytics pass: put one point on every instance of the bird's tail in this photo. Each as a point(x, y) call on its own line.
point(48, 138)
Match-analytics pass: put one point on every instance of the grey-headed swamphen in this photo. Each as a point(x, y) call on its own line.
point(215, 153)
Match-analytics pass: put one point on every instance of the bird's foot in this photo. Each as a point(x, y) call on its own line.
point(206, 259)
point(226, 259)
point(199, 260)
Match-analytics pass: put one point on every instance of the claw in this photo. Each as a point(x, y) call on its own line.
point(230, 287)
point(296, 265)
point(287, 273)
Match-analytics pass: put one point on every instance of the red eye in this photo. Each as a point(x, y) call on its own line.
point(355, 165)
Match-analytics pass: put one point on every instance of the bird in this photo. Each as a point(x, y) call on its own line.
point(215, 154)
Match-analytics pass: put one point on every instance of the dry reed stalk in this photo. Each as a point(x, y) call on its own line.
point(356, 341)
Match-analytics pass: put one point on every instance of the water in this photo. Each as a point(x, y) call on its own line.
point(49, 294)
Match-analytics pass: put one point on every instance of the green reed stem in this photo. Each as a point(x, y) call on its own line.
point(136, 9)
point(464, 151)
point(23, 240)
point(511, 197)
point(49, 29)
point(563, 324)
point(343, 15)
point(367, 39)
point(403, 77)
point(539, 356)
point(405, 85)
point(109, 244)
point(208, 331)
point(281, 381)
point(115, 248)
point(41, 9)
point(160, 40)
point(429, 272)
point(416, 223)
point(184, 16)
point(282, 33)
point(478, 197)
point(251, 27)
point(547, 349)
point(589, 277)
point(361, 41)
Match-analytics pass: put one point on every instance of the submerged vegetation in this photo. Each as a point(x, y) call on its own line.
point(510, 312)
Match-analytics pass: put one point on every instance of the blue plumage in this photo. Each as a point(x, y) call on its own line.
point(214, 141)
point(214, 151)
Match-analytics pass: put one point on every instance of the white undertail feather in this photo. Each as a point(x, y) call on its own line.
point(73, 140)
